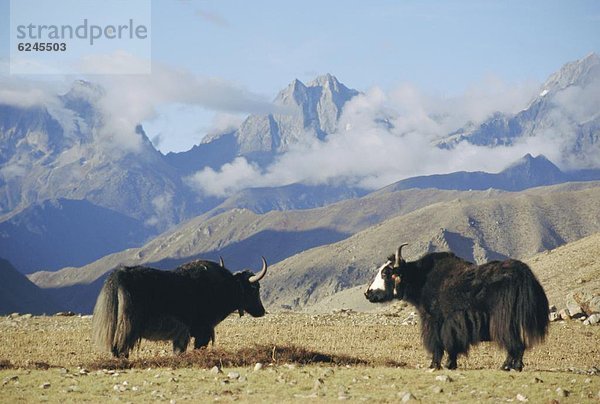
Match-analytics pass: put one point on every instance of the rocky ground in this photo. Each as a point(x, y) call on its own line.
point(288, 357)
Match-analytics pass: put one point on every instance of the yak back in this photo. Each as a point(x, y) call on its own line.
point(207, 272)
point(442, 283)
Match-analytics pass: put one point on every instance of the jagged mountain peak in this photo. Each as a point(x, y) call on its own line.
point(323, 84)
point(86, 90)
point(294, 93)
point(567, 103)
point(308, 112)
point(326, 80)
point(579, 72)
point(304, 111)
point(82, 98)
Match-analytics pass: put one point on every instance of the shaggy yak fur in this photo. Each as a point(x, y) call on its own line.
point(140, 302)
point(461, 304)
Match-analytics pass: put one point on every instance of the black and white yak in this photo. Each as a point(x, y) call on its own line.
point(461, 303)
point(139, 302)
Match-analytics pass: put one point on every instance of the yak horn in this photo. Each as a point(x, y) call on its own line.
point(221, 261)
point(261, 274)
point(399, 255)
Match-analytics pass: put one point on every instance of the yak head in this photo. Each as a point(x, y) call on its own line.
point(250, 290)
point(388, 281)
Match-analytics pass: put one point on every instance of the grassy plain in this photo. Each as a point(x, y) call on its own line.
point(328, 357)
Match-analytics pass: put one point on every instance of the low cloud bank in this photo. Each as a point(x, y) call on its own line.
point(387, 136)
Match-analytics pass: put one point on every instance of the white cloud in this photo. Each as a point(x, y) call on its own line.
point(131, 99)
point(383, 136)
point(127, 100)
point(365, 152)
point(23, 99)
point(163, 207)
point(28, 93)
point(230, 178)
point(224, 122)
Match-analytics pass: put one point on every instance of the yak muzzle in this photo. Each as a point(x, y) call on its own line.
point(378, 295)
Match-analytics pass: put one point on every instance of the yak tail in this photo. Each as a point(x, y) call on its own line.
point(112, 323)
point(521, 314)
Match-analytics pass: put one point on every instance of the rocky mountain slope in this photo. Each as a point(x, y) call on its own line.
point(512, 225)
point(60, 151)
point(241, 237)
point(232, 234)
point(571, 268)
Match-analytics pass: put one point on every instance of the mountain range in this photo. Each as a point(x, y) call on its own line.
point(58, 153)
point(527, 172)
point(317, 252)
point(70, 199)
point(565, 110)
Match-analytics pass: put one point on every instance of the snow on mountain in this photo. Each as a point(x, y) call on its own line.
point(579, 73)
point(565, 117)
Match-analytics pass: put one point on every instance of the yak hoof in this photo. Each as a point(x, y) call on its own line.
point(435, 366)
point(508, 368)
point(513, 364)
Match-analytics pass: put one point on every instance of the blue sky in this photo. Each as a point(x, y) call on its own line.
point(438, 45)
point(441, 47)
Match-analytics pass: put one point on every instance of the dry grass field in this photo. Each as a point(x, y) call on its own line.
point(329, 357)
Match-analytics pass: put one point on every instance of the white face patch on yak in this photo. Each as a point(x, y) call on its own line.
point(379, 283)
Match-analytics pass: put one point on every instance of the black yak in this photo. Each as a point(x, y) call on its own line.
point(461, 304)
point(139, 302)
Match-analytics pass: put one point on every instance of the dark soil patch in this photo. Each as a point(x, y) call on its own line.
point(208, 358)
point(5, 364)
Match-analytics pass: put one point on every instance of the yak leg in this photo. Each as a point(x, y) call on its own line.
point(456, 335)
point(451, 362)
point(518, 361)
point(181, 341)
point(436, 360)
point(430, 333)
point(515, 347)
point(117, 354)
point(202, 336)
